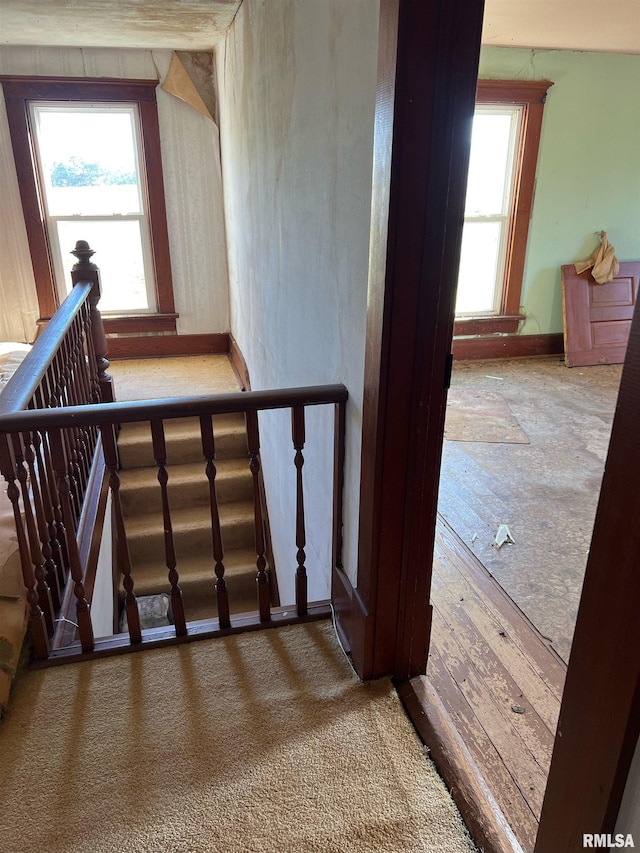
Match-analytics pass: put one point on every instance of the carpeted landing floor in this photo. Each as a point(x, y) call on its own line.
point(260, 742)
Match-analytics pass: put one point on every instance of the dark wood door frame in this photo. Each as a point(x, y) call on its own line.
point(427, 69)
point(428, 55)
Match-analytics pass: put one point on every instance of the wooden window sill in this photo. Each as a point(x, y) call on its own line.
point(137, 323)
point(503, 323)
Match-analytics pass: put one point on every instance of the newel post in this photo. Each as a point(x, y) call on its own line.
point(85, 270)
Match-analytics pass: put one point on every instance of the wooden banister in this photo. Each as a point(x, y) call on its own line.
point(20, 389)
point(56, 408)
point(47, 472)
point(174, 407)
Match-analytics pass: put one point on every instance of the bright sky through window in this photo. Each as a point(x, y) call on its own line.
point(487, 210)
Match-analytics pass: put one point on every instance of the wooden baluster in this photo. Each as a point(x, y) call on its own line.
point(52, 575)
point(75, 478)
point(84, 270)
point(46, 491)
point(37, 624)
point(338, 481)
point(60, 531)
point(44, 593)
point(57, 399)
point(160, 455)
point(122, 546)
point(209, 451)
point(92, 368)
point(78, 453)
point(66, 350)
point(262, 579)
point(89, 393)
point(83, 615)
point(298, 435)
point(77, 397)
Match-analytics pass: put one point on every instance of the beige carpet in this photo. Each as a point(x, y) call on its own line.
point(177, 376)
point(261, 742)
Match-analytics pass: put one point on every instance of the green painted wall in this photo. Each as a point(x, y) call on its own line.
point(588, 177)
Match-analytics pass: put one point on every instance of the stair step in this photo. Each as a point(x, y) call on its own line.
point(197, 582)
point(182, 436)
point(188, 486)
point(191, 531)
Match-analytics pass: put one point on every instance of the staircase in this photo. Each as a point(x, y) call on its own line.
point(188, 491)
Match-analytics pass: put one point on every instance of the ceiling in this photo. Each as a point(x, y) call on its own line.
point(611, 27)
point(172, 24)
point(592, 25)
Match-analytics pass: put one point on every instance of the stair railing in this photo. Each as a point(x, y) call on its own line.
point(56, 424)
point(65, 367)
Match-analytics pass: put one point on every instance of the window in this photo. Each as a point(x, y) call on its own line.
point(87, 156)
point(504, 151)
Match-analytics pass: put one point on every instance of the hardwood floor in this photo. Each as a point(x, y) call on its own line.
point(545, 489)
point(497, 678)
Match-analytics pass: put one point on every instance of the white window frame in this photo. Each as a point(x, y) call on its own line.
point(505, 215)
point(63, 285)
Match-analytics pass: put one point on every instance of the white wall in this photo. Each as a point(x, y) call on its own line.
point(588, 175)
point(297, 97)
point(190, 159)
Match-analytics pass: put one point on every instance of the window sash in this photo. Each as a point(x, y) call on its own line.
point(18, 91)
point(530, 95)
point(60, 269)
point(503, 216)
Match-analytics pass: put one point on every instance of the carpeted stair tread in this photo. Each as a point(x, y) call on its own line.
point(191, 531)
point(197, 582)
point(182, 436)
point(187, 486)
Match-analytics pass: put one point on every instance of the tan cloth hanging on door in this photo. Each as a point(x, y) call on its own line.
point(602, 262)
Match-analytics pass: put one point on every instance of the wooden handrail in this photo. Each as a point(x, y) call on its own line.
point(169, 408)
point(53, 424)
point(66, 367)
point(51, 413)
point(19, 390)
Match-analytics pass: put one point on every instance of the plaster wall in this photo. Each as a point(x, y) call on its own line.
point(588, 177)
point(297, 97)
point(193, 193)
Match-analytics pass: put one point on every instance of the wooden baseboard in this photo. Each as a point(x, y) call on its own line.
point(480, 812)
point(341, 598)
point(507, 346)
point(353, 623)
point(239, 364)
point(157, 346)
point(206, 629)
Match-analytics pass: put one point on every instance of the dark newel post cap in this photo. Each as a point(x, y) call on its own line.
point(83, 253)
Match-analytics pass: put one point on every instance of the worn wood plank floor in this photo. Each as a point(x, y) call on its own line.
point(500, 679)
point(497, 677)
